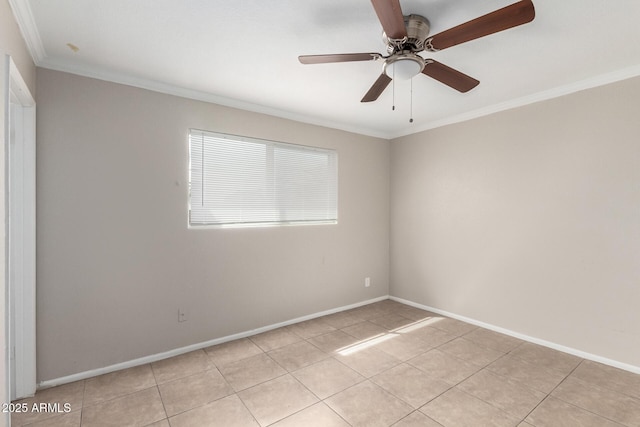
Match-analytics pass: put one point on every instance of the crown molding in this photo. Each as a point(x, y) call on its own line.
point(600, 80)
point(168, 89)
point(120, 78)
point(27, 24)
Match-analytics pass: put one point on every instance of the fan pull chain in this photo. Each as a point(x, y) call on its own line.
point(393, 88)
point(411, 103)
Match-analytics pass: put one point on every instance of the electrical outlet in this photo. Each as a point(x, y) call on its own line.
point(182, 315)
point(367, 282)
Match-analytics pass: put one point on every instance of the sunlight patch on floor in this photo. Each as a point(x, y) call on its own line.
point(353, 348)
point(417, 325)
point(377, 339)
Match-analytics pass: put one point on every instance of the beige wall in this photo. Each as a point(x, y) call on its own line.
point(528, 220)
point(115, 257)
point(11, 43)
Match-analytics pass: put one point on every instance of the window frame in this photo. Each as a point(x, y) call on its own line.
point(270, 147)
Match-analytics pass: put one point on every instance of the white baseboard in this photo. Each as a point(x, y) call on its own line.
point(564, 349)
point(178, 351)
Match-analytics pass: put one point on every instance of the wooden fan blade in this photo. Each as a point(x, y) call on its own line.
point(502, 19)
point(378, 87)
point(390, 16)
point(340, 57)
point(450, 77)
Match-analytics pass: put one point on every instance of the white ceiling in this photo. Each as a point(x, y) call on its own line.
point(243, 53)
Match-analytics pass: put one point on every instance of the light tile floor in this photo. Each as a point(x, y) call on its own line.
point(382, 364)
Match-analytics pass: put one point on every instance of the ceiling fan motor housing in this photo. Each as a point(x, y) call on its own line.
point(417, 32)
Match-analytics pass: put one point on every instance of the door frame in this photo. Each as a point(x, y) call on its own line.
point(20, 237)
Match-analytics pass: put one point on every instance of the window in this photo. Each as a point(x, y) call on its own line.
point(237, 181)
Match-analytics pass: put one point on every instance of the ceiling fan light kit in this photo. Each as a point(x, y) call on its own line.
point(406, 36)
point(403, 65)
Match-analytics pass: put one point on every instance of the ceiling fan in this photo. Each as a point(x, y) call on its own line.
point(406, 36)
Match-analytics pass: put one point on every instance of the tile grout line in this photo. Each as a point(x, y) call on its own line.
point(580, 407)
point(552, 390)
point(475, 373)
point(155, 378)
point(164, 408)
point(247, 408)
point(84, 389)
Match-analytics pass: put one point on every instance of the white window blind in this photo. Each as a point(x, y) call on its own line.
point(238, 180)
